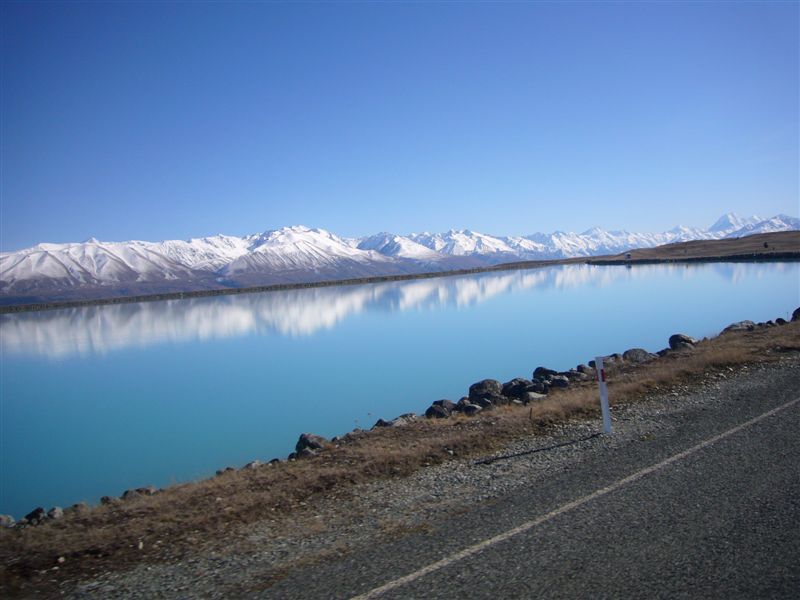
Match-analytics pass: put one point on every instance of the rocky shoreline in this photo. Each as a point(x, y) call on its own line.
point(483, 396)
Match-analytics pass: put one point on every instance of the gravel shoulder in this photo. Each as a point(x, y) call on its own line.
point(339, 544)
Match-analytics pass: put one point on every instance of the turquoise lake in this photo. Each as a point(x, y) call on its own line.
point(97, 400)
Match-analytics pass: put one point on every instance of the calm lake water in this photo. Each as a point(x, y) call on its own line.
point(100, 399)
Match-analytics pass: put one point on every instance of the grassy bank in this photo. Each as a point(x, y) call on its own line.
point(180, 519)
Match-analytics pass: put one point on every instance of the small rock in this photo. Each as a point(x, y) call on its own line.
point(543, 373)
point(680, 341)
point(638, 355)
point(108, 500)
point(739, 326)
point(253, 464)
point(309, 440)
point(448, 405)
point(292, 456)
point(225, 470)
point(7, 521)
point(538, 387)
point(471, 409)
point(516, 387)
point(575, 375)
point(55, 513)
point(61, 560)
point(78, 508)
point(483, 403)
point(306, 453)
point(36, 516)
point(149, 490)
point(533, 397)
point(403, 419)
point(437, 412)
point(587, 370)
point(275, 461)
point(484, 388)
point(559, 381)
point(780, 321)
point(129, 495)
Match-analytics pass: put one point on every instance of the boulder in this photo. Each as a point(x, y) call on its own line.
point(796, 314)
point(516, 387)
point(129, 495)
point(306, 453)
point(586, 370)
point(36, 516)
point(497, 400)
point(7, 521)
point(275, 461)
point(309, 440)
point(404, 419)
point(532, 397)
point(484, 403)
point(679, 341)
point(740, 326)
point(559, 381)
point(108, 500)
point(55, 513)
point(780, 321)
point(575, 375)
point(462, 402)
point(484, 388)
point(542, 373)
point(78, 508)
point(448, 405)
point(436, 412)
point(638, 355)
point(539, 387)
point(225, 470)
point(149, 490)
point(253, 464)
point(471, 409)
point(608, 361)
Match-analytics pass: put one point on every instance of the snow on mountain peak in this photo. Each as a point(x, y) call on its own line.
point(300, 253)
point(732, 221)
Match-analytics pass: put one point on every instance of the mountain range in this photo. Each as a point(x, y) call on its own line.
point(296, 254)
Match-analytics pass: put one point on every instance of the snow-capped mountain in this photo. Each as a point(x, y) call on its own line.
point(777, 223)
point(733, 222)
point(390, 244)
point(300, 254)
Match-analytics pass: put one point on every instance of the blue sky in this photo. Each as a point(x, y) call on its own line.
point(154, 120)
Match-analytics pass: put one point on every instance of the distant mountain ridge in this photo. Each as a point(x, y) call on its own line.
point(301, 254)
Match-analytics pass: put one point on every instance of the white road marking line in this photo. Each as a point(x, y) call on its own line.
point(467, 552)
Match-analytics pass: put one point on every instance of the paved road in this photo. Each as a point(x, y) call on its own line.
point(720, 521)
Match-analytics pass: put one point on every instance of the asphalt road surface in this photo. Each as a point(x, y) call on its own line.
point(710, 510)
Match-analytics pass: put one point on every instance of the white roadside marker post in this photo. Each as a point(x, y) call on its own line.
point(601, 380)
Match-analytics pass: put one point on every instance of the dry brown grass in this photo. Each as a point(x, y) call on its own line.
point(778, 243)
point(188, 516)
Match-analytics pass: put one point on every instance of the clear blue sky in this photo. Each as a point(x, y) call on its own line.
point(156, 120)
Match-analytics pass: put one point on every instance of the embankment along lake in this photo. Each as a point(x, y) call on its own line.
point(95, 400)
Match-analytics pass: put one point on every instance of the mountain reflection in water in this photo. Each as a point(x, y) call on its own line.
point(302, 312)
